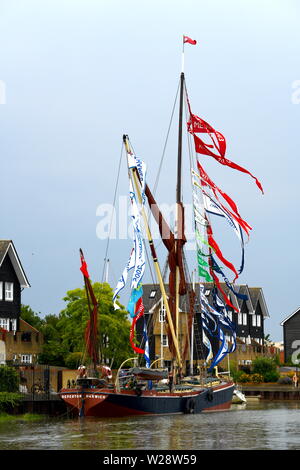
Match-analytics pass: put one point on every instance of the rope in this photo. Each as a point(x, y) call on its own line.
point(166, 141)
point(114, 203)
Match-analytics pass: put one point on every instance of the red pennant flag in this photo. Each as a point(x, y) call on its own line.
point(83, 267)
point(198, 125)
point(206, 181)
point(189, 40)
point(139, 312)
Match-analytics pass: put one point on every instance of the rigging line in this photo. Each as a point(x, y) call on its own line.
point(166, 141)
point(114, 203)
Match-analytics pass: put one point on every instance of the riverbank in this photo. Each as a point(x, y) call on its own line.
point(272, 392)
point(27, 417)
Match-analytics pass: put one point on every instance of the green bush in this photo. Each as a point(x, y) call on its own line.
point(234, 372)
point(8, 401)
point(266, 367)
point(9, 379)
point(244, 378)
point(271, 376)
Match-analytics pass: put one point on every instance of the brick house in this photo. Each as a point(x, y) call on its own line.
point(20, 343)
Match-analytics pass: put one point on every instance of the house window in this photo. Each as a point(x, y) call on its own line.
point(1, 290)
point(13, 324)
point(244, 318)
point(256, 320)
point(165, 342)
point(26, 358)
point(26, 337)
point(152, 294)
point(162, 314)
point(4, 323)
point(207, 292)
point(9, 291)
point(229, 314)
point(240, 319)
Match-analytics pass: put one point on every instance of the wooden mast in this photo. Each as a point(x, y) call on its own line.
point(135, 178)
point(178, 222)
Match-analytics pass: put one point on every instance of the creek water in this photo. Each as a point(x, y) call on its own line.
point(258, 425)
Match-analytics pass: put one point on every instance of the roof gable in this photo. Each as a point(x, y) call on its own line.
point(290, 316)
point(7, 248)
point(254, 294)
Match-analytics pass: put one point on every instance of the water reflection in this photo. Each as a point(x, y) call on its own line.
point(259, 425)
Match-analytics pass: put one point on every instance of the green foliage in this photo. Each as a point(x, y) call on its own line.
point(234, 371)
point(64, 334)
point(271, 376)
point(257, 378)
point(31, 317)
point(8, 400)
point(243, 378)
point(6, 418)
point(267, 368)
point(73, 360)
point(9, 379)
point(113, 326)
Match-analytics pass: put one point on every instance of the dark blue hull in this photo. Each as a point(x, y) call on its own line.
point(107, 403)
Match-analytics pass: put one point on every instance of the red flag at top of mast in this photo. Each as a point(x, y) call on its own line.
point(189, 40)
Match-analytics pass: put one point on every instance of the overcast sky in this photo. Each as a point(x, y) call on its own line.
point(76, 75)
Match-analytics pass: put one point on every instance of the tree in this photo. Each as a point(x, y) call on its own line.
point(113, 325)
point(28, 315)
point(64, 333)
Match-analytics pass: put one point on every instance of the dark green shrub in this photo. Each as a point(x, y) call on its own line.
point(271, 376)
point(9, 379)
point(8, 401)
point(267, 368)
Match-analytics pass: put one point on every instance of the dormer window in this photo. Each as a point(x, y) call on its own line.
point(9, 291)
point(152, 294)
point(1, 290)
point(162, 314)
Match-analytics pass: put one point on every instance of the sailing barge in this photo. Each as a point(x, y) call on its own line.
point(144, 391)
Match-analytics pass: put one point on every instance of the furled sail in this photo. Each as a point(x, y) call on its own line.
point(91, 335)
